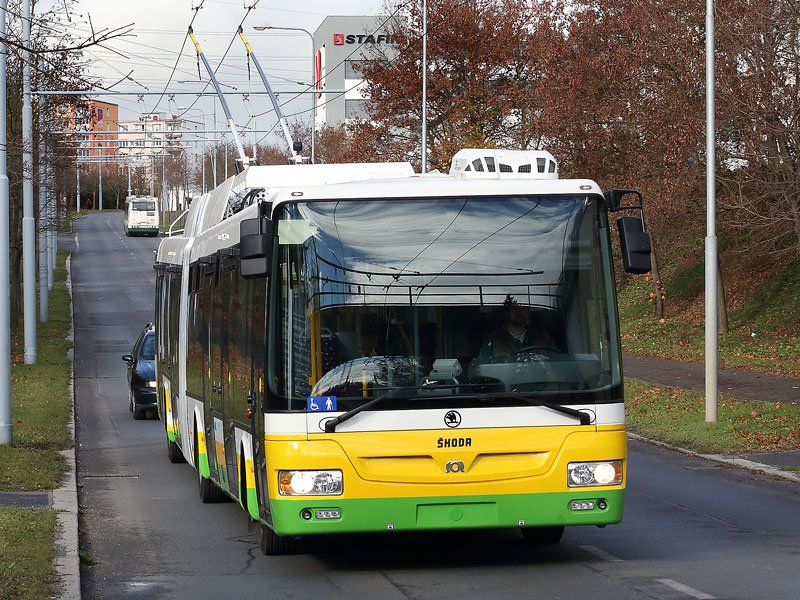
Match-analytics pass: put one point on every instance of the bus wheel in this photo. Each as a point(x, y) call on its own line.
point(174, 452)
point(139, 414)
point(273, 544)
point(542, 535)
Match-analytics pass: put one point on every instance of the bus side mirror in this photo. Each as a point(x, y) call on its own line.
point(635, 244)
point(255, 247)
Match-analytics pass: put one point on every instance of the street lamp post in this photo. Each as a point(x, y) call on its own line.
point(424, 86)
point(186, 109)
point(313, 79)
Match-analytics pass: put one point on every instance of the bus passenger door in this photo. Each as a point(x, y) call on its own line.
point(233, 351)
point(216, 398)
point(257, 315)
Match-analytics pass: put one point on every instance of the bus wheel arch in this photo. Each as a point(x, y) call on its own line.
point(208, 491)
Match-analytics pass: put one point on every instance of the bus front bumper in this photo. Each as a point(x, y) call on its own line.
point(308, 516)
point(143, 230)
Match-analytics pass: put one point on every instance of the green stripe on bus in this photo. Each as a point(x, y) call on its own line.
point(457, 512)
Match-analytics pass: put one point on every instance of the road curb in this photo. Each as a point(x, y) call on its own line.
point(65, 498)
point(728, 460)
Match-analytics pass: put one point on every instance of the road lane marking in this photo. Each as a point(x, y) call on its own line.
point(600, 553)
point(685, 589)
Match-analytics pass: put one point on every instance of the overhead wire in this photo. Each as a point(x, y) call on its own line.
point(230, 44)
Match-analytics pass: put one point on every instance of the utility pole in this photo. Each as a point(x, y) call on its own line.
point(43, 289)
point(100, 185)
point(711, 326)
point(5, 273)
point(77, 182)
point(28, 221)
point(425, 86)
point(52, 211)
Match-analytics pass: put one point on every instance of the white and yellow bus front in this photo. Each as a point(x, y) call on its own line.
point(444, 363)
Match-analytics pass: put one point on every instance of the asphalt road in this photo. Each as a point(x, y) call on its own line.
point(692, 529)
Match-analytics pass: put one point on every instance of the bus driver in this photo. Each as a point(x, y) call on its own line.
point(516, 334)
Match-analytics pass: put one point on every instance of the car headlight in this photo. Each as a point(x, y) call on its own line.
point(151, 384)
point(310, 483)
point(584, 474)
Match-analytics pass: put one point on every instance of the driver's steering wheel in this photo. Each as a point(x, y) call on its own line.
point(535, 347)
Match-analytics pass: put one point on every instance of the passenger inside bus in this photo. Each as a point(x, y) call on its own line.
point(516, 334)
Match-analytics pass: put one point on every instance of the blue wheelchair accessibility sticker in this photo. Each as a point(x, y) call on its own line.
point(321, 404)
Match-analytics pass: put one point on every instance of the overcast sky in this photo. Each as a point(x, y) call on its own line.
point(158, 33)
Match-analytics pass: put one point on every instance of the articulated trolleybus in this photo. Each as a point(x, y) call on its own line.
point(331, 352)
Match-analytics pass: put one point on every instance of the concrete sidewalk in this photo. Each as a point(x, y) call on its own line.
point(691, 376)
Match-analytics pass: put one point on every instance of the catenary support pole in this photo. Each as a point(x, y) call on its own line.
point(5, 274)
point(44, 310)
point(52, 219)
point(712, 350)
point(28, 221)
point(424, 86)
point(77, 187)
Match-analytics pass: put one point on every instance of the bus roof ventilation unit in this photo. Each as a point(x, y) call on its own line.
point(478, 163)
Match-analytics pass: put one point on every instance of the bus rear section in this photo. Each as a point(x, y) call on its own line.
point(141, 216)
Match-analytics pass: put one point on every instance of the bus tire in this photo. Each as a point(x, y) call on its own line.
point(542, 535)
point(273, 544)
point(139, 413)
point(174, 452)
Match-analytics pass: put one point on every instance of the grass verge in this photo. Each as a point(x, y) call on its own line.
point(677, 417)
point(26, 553)
point(41, 403)
point(41, 406)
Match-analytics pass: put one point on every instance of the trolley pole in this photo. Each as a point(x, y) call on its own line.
point(28, 221)
point(5, 274)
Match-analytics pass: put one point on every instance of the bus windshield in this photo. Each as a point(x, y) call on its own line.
point(143, 205)
point(472, 299)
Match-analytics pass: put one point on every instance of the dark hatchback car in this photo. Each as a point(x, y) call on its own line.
point(142, 374)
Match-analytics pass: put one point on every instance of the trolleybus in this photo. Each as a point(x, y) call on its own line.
point(322, 347)
point(141, 216)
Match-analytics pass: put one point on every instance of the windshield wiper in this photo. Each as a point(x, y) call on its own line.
point(583, 417)
point(330, 425)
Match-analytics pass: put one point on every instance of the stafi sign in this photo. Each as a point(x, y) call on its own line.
point(342, 39)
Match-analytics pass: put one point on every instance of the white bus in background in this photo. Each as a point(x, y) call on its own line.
point(141, 216)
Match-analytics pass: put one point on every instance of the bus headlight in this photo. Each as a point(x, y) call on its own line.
point(310, 483)
point(584, 474)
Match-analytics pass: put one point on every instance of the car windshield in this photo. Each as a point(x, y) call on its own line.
point(148, 348)
point(456, 297)
point(144, 205)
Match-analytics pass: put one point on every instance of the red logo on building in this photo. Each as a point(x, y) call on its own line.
point(338, 39)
